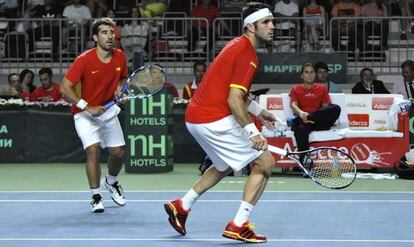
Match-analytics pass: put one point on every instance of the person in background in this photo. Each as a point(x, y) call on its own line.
point(174, 89)
point(405, 87)
point(27, 77)
point(118, 29)
point(311, 104)
point(48, 90)
point(206, 10)
point(152, 8)
point(314, 23)
point(134, 36)
point(405, 8)
point(199, 68)
point(322, 76)
point(377, 27)
point(368, 85)
point(16, 88)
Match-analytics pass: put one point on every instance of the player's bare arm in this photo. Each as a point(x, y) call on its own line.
point(238, 108)
point(67, 90)
point(296, 109)
point(266, 117)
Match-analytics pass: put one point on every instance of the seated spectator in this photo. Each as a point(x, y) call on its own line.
point(405, 87)
point(284, 9)
point(78, 15)
point(16, 88)
point(48, 11)
point(134, 35)
point(405, 8)
point(98, 8)
point(368, 85)
point(233, 5)
point(375, 27)
point(203, 10)
point(314, 23)
point(9, 9)
point(322, 76)
point(151, 8)
point(346, 27)
point(311, 104)
point(189, 89)
point(118, 29)
point(48, 90)
point(174, 89)
point(27, 77)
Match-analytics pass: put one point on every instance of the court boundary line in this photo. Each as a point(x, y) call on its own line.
point(212, 200)
point(212, 240)
point(213, 191)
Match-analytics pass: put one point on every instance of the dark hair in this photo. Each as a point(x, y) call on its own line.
point(321, 65)
point(25, 72)
point(45, 70)
point(408, 63)
point(10, 75)
point(101, 21)
point(199, 63)
point(253, 7)
point(365, 69)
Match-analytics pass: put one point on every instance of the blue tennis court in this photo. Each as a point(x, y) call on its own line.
point(331, 218)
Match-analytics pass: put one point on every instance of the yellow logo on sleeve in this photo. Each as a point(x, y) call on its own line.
point(118, 69)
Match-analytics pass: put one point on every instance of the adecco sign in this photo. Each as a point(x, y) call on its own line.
point(287, 68)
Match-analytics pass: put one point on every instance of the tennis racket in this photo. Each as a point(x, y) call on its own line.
point(144, 82)
point(329, 167)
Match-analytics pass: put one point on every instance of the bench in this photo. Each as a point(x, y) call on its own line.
point(363, 129)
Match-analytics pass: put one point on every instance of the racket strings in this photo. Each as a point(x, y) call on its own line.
point(147, 81)
point(332, 168)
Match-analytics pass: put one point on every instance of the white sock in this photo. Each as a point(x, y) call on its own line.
point(111, 179)
point(95, 191)
point(189, 199)
point(243, 214)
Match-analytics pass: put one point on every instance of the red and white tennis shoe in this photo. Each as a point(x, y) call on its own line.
point(243, 233)
point(177, 215)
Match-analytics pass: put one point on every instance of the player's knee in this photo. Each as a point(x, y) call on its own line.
point(265, 164)
point(117, 153)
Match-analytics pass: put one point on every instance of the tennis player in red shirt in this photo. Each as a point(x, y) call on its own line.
point(101, 71)
point(218, 118)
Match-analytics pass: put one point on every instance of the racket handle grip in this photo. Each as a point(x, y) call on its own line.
point(276, 150)
point(109, 104)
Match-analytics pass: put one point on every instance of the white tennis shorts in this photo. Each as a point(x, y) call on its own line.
point(225, 142)
point(90, 131)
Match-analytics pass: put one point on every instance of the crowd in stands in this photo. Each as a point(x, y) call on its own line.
point(134, 36)
point(22, 86)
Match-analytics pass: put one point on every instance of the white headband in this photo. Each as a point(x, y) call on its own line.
point(253, 17)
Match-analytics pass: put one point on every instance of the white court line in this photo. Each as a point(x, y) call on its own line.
point(216, 191)
point(210, 200)
point(212, 240)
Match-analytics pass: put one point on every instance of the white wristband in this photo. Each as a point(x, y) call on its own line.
point(254, 108)
point(81, 104)
point(252, 130)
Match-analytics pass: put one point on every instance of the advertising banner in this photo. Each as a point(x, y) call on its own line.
point(287, 68)
point(12, 136)
point(149, 133)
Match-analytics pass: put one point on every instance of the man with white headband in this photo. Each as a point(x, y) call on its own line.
point(218, 118)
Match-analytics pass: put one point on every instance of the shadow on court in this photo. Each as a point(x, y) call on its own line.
point(287, 218)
